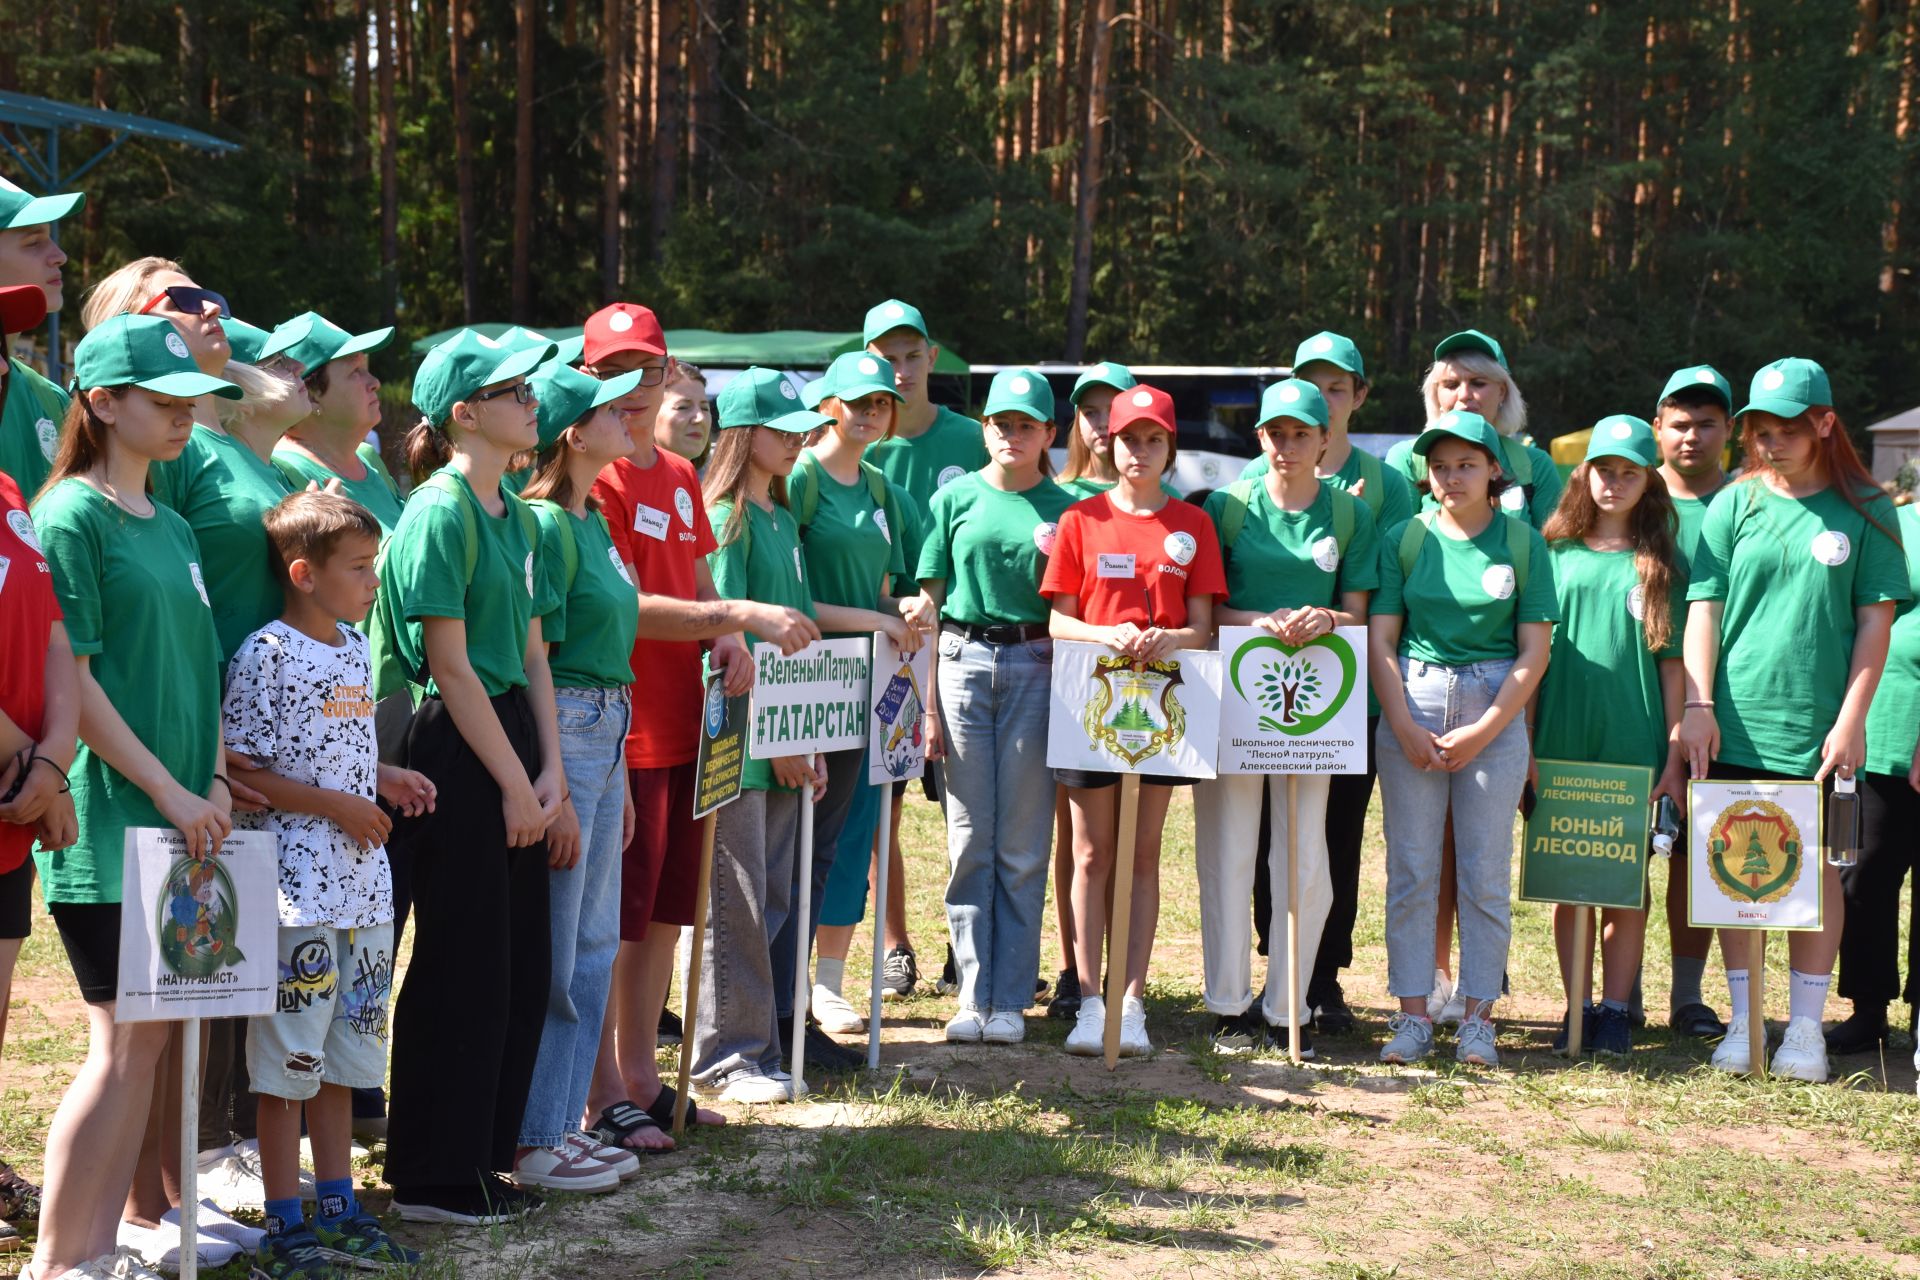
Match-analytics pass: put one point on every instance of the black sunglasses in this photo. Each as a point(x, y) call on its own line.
point(521, 392)
point(188, 299)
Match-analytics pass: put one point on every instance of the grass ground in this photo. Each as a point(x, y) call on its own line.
point(957, 1161)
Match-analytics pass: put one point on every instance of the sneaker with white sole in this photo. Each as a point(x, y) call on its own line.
point(122, 1264)
point(563, 1168)
point(966, 1027)
point(624, 1161)
point(1411, 1041)
point(949, 980)
point(1475, 1047)
point(1802, 1054)
point(1089, 1034)
point(160, 1246)
point(1438, 998)
point(753, 1087)
point(836, 1015)
point(1133, 1028)
point(214, 1221)
point(1005, 1027)
point(898, 974)
point(1733, 1053)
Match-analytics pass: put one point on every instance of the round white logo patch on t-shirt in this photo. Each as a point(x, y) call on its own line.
point(869, 366)
point(49, 435)
point(1497, 581)
point(529, 573)
point(1043, 536)
point(619, 322)
point(948, 475)
point(880, 523)
point(1773, 379)
point(177, 345)
point(1637, 603)
point(22, 526)
point(683, 503)
point(1326, 554)
point(1514, 498)
point(1143, 399)
point(1181, 547)
point(1831, 548)
point(619, 565)
point(199, 583)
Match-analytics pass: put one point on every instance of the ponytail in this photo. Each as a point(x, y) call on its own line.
point(428, 449)
point(83, 441)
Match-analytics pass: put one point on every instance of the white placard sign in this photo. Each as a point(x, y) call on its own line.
point(1111, 713)
point(1754, 857)
point(198, 936)
point(1288, 709)
point(897, 720)
point(815, 700)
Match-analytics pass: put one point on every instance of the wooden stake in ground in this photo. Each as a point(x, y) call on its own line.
point(1117, 936)
point(1579, 981)
point(1294, 1019)
point(691, 987)
point(1756, 1003)
point(881, 851)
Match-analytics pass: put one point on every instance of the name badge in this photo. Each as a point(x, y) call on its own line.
point(650, 521)
point(1112, 564)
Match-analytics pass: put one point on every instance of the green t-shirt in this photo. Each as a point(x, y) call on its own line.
point(913, 525)
point(1461, 602)
point(223, 489)
point(425, 564)
point(135, 605)
point(375, 490)
point(991, 548)
point(1791, 572)
point(590, 629)
point(30, 427)
point(1390, 501)
point(1546, 480)
point(1893, 721)
point(1600, 701)
point(762, 562)
point(851, 545)
point(952, 446)
point(1292, 559)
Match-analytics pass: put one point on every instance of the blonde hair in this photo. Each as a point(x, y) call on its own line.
point(1511, 419)
point(263, 390)
point(127, 289)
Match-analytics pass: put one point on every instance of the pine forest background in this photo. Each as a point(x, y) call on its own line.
point(1613, 188)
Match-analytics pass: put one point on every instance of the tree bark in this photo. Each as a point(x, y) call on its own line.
point(669, 30)
point(613, 39)
point(362, 94)
point(1086, 206)
point(193, 59)
point(463, 160)
point(526, 35)
point(384, 38)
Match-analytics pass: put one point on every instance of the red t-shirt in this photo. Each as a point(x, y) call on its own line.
point(28, 611)
point(660, 527)
point(1116, 561)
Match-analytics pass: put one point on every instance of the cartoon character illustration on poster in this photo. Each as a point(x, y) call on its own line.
point(902, 715)
point(199, 918)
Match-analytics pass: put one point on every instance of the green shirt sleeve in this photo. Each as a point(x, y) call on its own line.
point(1387, 597)
point(71, 544)
point(897, 531)
point(936, 548)
point(1400, 458)
point(552, 570)
point(1883, 561)
point(1708, 581)
point(1538, 603)
point(1547, 485)
point(431, 578)
point(728, 561)
point(1396, 499)
point(1360, 563)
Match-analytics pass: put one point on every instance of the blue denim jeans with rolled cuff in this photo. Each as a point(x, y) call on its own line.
point(1484, 797)
point(584, 913)
point(993, 706)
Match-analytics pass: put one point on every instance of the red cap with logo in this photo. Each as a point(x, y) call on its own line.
point(1142, 404)
point(624, 326)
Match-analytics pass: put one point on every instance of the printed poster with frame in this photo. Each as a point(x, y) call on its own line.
point(1754, 855)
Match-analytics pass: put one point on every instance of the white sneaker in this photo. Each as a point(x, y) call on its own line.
point(1089, 1034)
point(1005, 1028)
point(563, 1168)
point(624, 1161)
point(751, 1086)
point(966, 1027)
point(160, 1246)
point(1133, 1028)
point(122, 1264)
point(214, 1221)
point(1438, 1000)
point(837, 1017)
point(1733, 1054)
point(1802, 1054)
point(232, 1179)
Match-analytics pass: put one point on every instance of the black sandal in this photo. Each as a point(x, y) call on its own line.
point(619, 1122)
point(661, 1109)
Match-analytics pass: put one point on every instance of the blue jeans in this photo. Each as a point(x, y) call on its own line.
point(584, 913)
point(993, 706)
point(1484, 797)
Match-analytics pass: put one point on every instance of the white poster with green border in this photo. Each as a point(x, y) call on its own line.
point(1288, 708)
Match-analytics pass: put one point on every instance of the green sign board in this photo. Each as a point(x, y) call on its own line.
point(1586, 842)
point(722, 759)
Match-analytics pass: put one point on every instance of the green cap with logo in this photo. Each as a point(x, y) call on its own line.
point(143, 351)
point(890, 315)
point(1107, 373)
point(1698, 377)
point(762, 397)
point(1020, 391)
point(855, 374)
point(1294, 398)
point(1622, 435)
point(1461, 424)
point(310, 340)
point(1470, 340)
point(1788, 388)
point(244, 340)
point(1328, 347)
point(566, 395)
point(467, 362)
point(814, 392)
point(19, 208)
point(519, 339)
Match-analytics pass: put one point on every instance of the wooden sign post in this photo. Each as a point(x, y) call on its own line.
point(896, 751)
point(1119, 935)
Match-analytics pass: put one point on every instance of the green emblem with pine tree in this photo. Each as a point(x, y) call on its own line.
point(1150, 718)
point(1762, 839)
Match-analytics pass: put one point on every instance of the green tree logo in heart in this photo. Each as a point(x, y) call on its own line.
point(1291, 684)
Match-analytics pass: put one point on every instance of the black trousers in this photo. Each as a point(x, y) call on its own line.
point(468, 1018)
point(1889, 853)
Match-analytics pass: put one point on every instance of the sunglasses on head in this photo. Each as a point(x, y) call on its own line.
point(521, 392)
point(188, 299)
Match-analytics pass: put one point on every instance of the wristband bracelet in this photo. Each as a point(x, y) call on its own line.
point(1707, 704)
point(66, 783)
point(221, 778)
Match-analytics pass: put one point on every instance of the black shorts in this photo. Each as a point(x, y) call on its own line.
point(16, 901)
point(91, 932)
point(1092, 780)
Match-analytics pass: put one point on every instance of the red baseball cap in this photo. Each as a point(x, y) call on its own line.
point(1142, 404)
point(624, 326)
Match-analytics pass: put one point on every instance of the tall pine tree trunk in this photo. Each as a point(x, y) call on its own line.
point(385, 32)
point(1086, 206)
point(526, 25)
point(463, 160)
point(613, 36)
point(669, 27)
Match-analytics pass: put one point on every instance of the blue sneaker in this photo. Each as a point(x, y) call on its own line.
point(292, 1255)
point(1412, 1039)
point(359, 1241)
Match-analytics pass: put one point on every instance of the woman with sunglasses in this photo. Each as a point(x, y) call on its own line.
point(330, 444)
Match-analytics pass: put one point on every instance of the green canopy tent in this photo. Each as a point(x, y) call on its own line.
point(775, 349)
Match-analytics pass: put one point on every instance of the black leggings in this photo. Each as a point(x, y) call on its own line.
point(1889, 853)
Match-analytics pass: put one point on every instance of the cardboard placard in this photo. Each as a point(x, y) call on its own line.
point(1293, 709)
point(1753, 850)
point(198, 936)
point(1111, 713)
point(720, 764)
point(1586, 842)
point(897, 719)
point(815, 700)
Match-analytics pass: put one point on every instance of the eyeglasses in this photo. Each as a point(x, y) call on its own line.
point(522, 393)
point(188, 299)
point(651, 376)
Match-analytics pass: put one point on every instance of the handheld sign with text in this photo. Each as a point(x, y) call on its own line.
point(1586, 842)
point(198, 935)
point(815, 700)
point(897, 720)
point(720, 764)
point(1112, 713)
point(1293, 708)
point(1752, 852)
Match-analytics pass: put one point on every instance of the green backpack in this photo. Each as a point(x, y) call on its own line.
point(1233, 513)
point(1519, 547)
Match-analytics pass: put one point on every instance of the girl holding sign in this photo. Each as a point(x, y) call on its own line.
point(1460, 632)
point(1795, 585)
point(1136, 571)
point(1300, 557)
point(1612, 689)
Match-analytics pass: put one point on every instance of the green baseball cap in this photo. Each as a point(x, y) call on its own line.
point(1020, 391)
point(1703, 377)
point(566, 395)
point(814, 392)
point(1105, 374)
point(762, 397)
point(1328, 347)
point(143, 351)
point(244, 340)
point(19, 208)
point(519, 339)
point(464, 364)
point(890, 315)
point(1788, 388)
point(1470, 340)
point(1461, 424)
point(1622, 435)
point(1294, 398)
point(855, 374)
point(310, 340)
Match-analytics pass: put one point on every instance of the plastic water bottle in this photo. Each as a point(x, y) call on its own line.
point(1843, 823)
point(1666, 826)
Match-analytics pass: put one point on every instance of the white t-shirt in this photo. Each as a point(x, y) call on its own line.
point(305, 710)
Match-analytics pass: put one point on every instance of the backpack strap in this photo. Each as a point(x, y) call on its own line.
point(876, 485)
point(1344, 507)
point(569, 548)
point(469, 526)
point(803, 495)
point(1233, 511)
point(1520, 552)
point(1373, 478)
point(1412, 538)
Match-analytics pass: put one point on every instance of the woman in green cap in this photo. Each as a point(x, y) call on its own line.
point(1790, 608)
point(1611, 694)
point(330, 443)
point(130, 583)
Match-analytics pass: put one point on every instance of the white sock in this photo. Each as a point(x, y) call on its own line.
point(1737, 992)
point(1808, 994)
point(828, 972)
